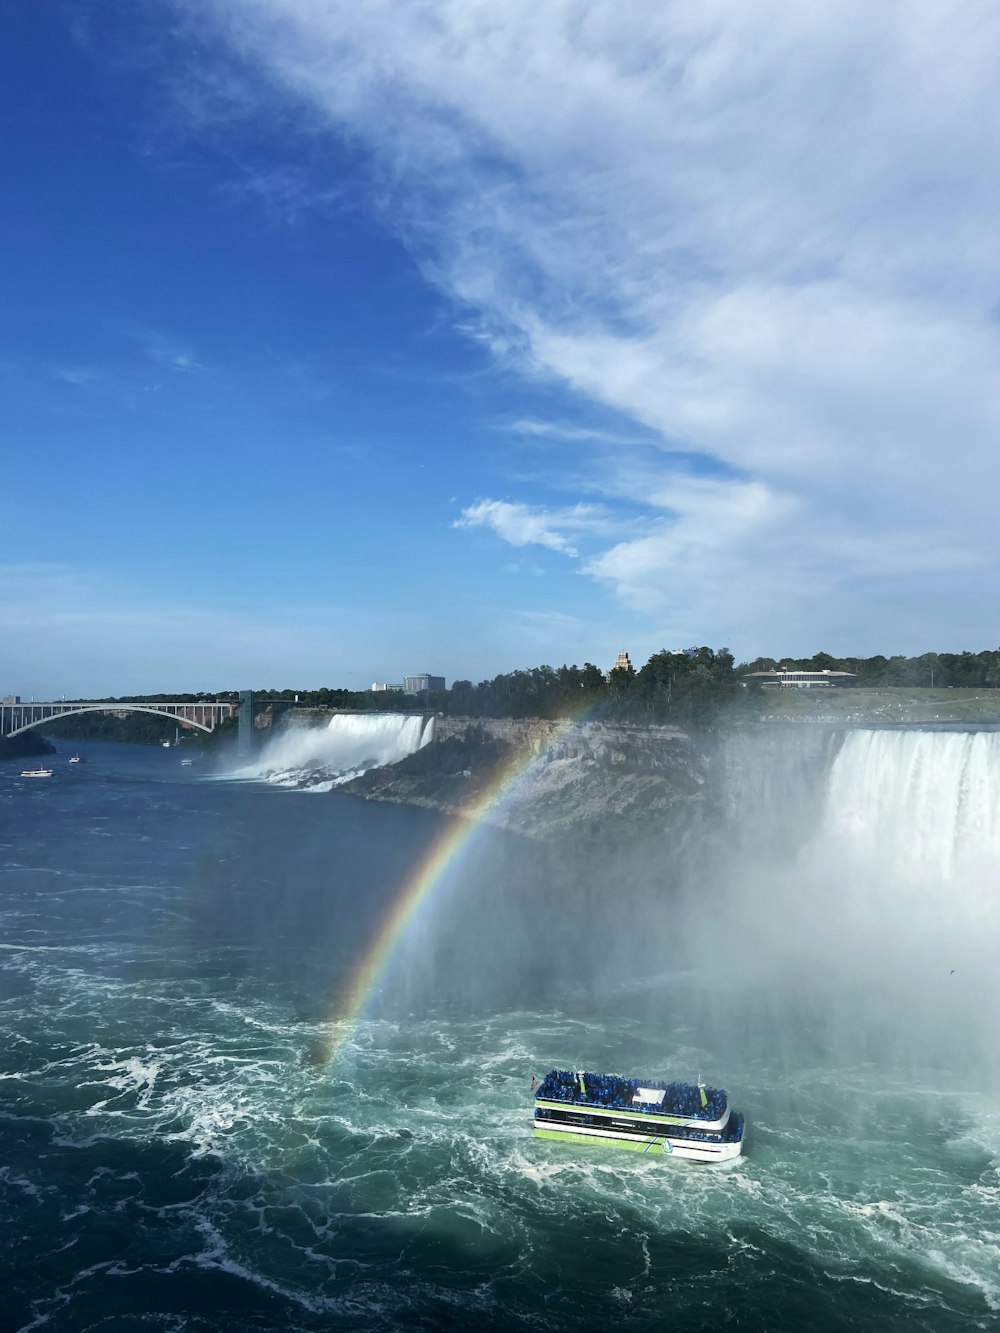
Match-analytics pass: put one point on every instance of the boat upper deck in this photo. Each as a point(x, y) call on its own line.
point(611, 1092)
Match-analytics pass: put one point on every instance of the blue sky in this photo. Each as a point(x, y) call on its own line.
point(340, 342)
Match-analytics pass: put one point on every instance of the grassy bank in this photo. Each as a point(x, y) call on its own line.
point(889, 704)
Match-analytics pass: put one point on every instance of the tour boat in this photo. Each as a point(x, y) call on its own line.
point(36, 772)
point(685, 1120)
point(77, 759)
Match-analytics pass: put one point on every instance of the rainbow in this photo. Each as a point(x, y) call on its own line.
point(418, 888)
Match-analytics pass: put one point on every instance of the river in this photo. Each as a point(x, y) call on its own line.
point(178, 1152)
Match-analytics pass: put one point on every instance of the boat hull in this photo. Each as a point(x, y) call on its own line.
point(689, 1121)
point(664, 1145)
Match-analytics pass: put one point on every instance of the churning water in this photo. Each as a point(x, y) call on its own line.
point(173, 1156)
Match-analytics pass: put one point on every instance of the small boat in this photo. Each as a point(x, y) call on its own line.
point(36, 772)
point(685, 1120)
point(166, 744)
point(185, 762)
point(77, 759)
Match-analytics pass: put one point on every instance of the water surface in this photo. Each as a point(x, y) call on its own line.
point(176, 1156)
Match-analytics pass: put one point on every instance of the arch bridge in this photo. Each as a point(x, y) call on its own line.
point(18, 717)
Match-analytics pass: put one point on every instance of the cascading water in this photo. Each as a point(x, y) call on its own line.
point(318, 758)
point(922, 811)
point(883, 921)
point(908, 850)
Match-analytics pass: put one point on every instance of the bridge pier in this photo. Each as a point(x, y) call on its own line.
point(246, 734)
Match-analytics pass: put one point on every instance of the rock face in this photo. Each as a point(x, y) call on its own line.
point(641, 749)
point(540, 778)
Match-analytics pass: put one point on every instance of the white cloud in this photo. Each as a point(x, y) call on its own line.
point(524, 525)
point(741, 549)
point(765, 232)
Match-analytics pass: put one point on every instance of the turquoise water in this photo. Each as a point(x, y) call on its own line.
point(174, 1154)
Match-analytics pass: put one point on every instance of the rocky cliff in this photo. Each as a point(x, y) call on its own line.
point(540, 778)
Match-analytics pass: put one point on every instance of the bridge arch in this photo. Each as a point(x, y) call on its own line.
point(110, 708)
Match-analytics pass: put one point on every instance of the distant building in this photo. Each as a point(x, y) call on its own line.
point(802, 680)
point(382, 688)
point(622, 662)
point(418, 684)
point(11, 699)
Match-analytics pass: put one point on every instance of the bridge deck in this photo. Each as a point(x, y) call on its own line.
point(18, 717)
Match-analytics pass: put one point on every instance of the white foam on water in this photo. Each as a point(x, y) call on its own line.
point(330, 1157)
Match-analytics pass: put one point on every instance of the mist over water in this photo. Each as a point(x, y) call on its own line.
point(173, 950)
point(865, 892)
point(317, 758)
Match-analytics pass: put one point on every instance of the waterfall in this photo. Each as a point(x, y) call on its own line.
point(318, 758)
point(862, 894)
point(919, 811)
point(911, 814)
point(906, 869)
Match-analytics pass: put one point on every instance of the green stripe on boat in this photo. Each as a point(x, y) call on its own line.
point(654, 1146)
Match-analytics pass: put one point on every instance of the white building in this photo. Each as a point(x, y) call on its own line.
point(802, 680)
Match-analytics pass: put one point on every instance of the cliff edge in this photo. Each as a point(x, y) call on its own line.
point(540, 778)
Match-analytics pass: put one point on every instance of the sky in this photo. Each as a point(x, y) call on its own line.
point(342, 342)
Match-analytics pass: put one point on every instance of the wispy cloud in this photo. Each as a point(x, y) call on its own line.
point(553, 635)
point(524, 567)
point(744, 549)
point(564, 433)
point(763, 233)
point(527, 525)
point(171, 354)
point(79, 376)
point(162, 349)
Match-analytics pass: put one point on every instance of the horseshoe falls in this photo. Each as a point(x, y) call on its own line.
point(817, 936)
point(922, 809)
point(863, 886)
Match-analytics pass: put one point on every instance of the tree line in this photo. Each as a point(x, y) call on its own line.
point(958, 670)
point(688, 687)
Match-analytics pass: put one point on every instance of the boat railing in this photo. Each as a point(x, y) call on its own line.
point(693, 1101)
